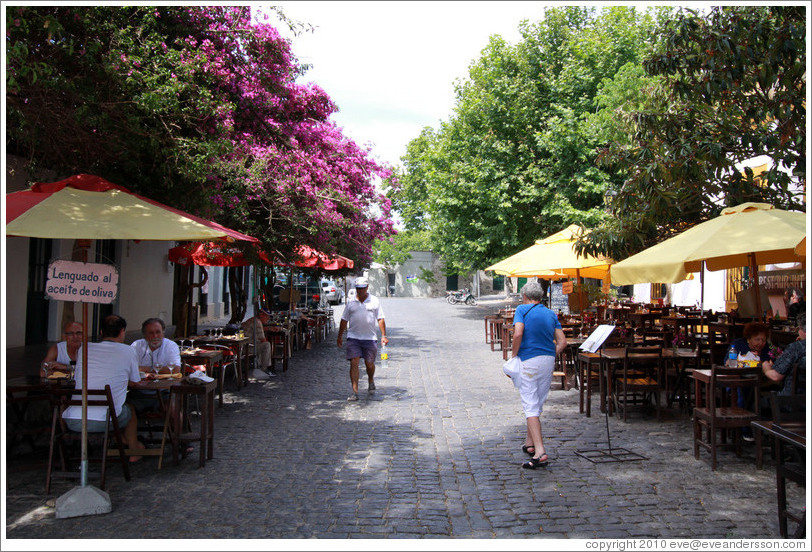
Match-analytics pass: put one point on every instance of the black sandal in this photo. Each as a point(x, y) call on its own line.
point(534, 463)
point(526, 450)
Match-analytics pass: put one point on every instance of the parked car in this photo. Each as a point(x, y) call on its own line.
point(332, 292)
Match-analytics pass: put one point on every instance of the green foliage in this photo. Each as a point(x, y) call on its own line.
point(725, 87)
point(427, 275)
point(395, 250)
point(517, 159)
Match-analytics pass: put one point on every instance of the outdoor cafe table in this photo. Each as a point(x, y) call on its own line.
point(207, 358)
point(238, 345)
point(793, 434)
point(281, 340)
point(176, 419)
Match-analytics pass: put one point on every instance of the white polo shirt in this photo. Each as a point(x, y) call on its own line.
point(362, 318)
point(165, 355)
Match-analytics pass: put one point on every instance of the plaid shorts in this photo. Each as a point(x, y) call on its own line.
point(362, 348)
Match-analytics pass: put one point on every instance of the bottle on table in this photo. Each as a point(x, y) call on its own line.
point(732, 357)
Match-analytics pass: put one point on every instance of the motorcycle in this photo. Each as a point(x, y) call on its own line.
point(453, 297)
point(460, 296)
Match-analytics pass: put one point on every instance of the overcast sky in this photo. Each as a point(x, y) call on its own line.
point(390, 66)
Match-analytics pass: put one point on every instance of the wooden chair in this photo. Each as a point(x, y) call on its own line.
point(229, 362)
point(639, 381)
point(23, 425)
point(61, 435)
point(717, 408)
point(783, 408)
point(489, 330)
point(786, 411)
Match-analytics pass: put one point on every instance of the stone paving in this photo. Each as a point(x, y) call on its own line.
point(435, 453)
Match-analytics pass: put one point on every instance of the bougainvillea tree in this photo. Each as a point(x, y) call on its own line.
point(199, 107)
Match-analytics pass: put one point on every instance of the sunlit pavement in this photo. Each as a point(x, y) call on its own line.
point(436, 452)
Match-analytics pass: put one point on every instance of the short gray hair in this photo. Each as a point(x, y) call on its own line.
point(532, 290)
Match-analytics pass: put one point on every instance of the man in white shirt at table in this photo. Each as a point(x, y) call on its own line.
point(153, 351)
point(362, 317)
point(110, 362)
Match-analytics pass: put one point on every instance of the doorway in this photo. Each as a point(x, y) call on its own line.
point(36, 308)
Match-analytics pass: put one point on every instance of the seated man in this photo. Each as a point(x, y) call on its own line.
point(153, 351)
point(793, 357)
point(255, 329)
point(63, 354)
point(110, 362)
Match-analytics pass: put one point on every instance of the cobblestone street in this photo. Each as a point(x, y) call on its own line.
point(436, 452)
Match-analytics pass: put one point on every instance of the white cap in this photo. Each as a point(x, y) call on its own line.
point(361, 282)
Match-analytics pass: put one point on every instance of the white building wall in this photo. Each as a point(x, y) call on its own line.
point(146, 279)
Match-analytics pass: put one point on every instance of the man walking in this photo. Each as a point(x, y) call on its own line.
point(360, 318)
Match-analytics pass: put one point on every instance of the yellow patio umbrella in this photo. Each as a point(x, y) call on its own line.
point(800, 249)
point(750, 234)
point(554, 257)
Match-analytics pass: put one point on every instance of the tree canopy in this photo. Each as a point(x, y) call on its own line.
point(195, 106)
point(722, 87)
point(516, 161)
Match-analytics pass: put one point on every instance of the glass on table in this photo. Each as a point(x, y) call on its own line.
point(46, 368)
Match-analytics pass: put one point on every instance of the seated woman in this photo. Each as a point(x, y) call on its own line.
point(754, 343)
point(792, 360)
point(62, 354)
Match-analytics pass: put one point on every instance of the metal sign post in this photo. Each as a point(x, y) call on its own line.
point(85, 283)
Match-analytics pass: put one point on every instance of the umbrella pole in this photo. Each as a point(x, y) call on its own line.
point(701, 298)
point(83, 477)
point(754, 275)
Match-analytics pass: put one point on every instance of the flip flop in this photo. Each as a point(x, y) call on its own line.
point(534, 463)
point(526, 450)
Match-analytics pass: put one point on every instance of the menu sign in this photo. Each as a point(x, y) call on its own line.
point(81, 282)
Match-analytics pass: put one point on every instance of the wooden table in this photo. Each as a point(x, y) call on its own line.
point(238, 345)
point(793, 434)
point(201, 356)
point(158, 386)
point(281, 340)
point(209, 359)
point(176, 423)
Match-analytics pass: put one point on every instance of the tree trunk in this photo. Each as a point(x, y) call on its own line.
point(180, 308)
point(237, 293)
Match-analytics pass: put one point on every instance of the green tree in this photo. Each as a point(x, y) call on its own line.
point(196, 106)
point(516, 160)
point(394, 250)
point(725, 86)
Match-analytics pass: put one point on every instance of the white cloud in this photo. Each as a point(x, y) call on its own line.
point(390, 66)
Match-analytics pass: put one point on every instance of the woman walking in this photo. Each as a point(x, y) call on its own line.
point(537, 339)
